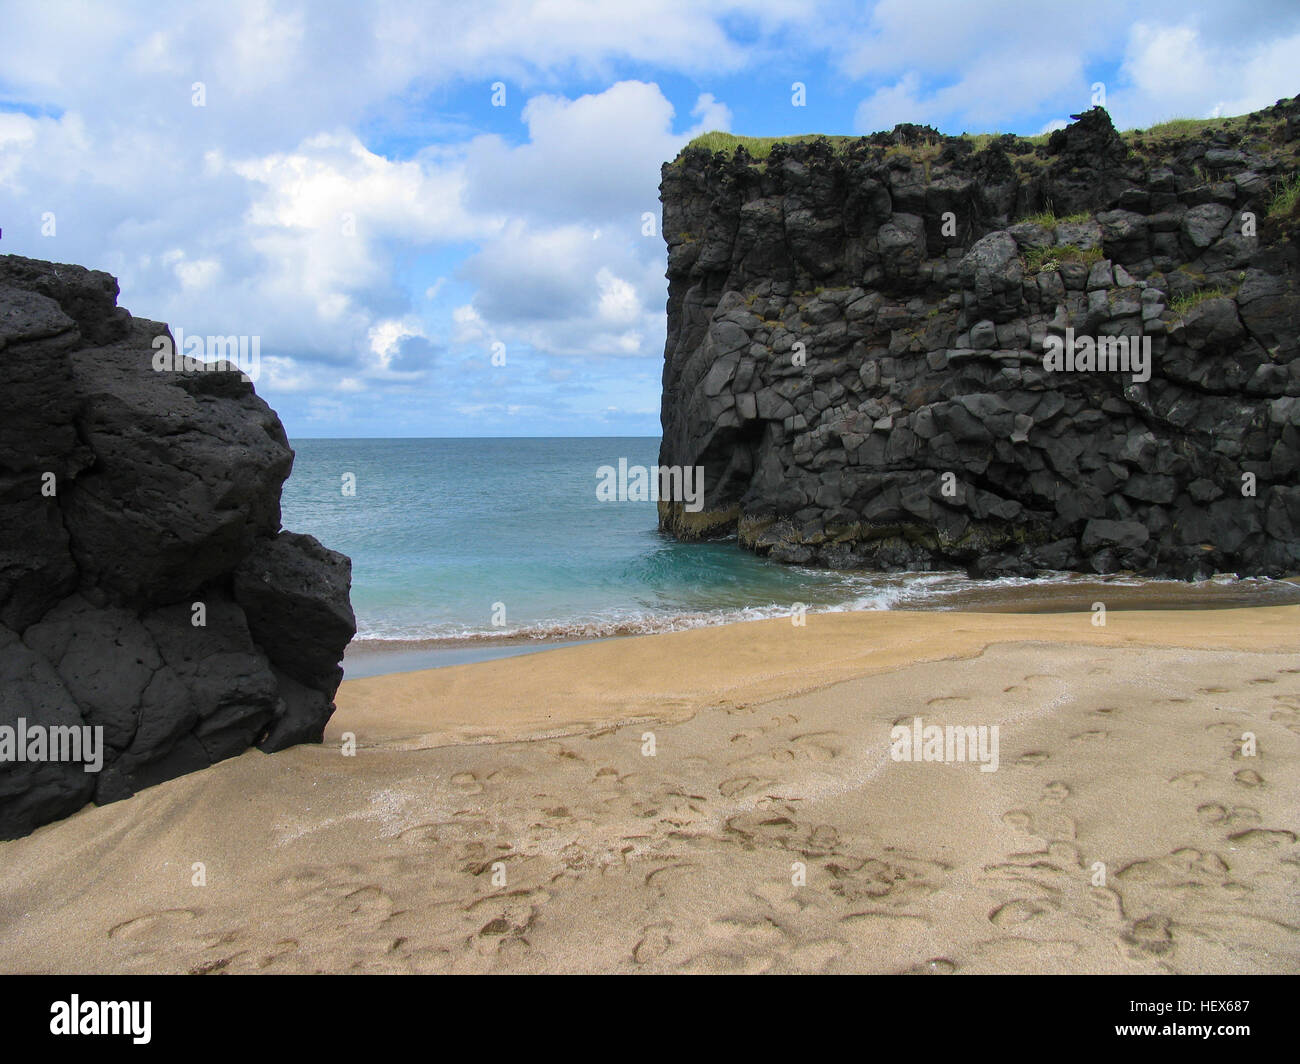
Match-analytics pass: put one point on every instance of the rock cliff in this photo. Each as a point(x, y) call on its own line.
point(857, 335)
point(146, 587)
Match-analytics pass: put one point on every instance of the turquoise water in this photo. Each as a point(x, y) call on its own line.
point(440, 531)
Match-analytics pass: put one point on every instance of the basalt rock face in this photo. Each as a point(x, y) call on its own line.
point(145, 584)
point(857, 338)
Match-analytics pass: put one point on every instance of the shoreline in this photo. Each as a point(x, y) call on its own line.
point(667, 674)
point(370, 657)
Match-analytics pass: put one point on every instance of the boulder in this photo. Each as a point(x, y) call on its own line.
point(147, 592)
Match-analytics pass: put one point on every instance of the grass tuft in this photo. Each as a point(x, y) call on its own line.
point(1180, 306)
point(1284, 200)
point(761, 147)
point(1045, 260)
point(1050, 220)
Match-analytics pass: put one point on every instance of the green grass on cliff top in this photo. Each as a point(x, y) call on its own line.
point(761, 147)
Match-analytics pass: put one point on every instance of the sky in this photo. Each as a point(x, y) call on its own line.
point(387, 195)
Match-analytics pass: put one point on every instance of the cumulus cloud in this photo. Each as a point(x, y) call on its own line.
point(1180, 71)
point(577, 272)
point(710, 115)
point(596, 157)
point(981, 66)
point(265, 207)
point(328, 198)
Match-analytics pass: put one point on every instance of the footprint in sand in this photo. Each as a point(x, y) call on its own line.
point(1288, 718)
point(1092, 736)
point(466, 783)
point(367, 905)
point(301, 879)
point(216, 967)
point(510, 924)
point(1152, 935)
point(818, 746)
point(1263, 838)
point(743, 786)
point(1213, 813)
point(1188, 781)
point(654, 943)
point(750, 931)
point(882, 922)
point(1177, 870)
point(1056, 791)
point(421, 835)
point(1033, 757)
point(1108, 902)
point(1046, 870)
point(673, 875)
point(165, 922)
point(895, 880)
point(1248, 777)
point(1020, 819)
point(1020, 911)
point(221, 938)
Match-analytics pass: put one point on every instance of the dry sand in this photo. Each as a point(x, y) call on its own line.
point(1120, 754)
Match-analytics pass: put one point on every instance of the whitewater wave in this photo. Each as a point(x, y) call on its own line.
point(858, 593)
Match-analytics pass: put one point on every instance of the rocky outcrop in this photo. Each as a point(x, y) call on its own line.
point(857, 338)
point(145, 585)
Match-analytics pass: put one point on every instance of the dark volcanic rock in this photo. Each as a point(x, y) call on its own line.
point(145, 586)
point(920, 425)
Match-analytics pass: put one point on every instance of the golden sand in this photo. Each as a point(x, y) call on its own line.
point(725, 799)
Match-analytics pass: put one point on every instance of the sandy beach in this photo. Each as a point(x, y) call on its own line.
point(725, 800)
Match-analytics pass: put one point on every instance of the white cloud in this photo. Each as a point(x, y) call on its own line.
point(978, 66)
point(1180, 72)
point(891, 104)
point(557, 175)
point(268, 211)
point(711, 115)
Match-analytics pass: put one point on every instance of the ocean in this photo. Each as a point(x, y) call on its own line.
point(464, 542)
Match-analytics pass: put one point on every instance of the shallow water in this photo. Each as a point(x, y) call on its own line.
point(483, 543)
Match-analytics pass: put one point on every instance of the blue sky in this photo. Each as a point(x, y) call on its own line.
point(349, 193)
